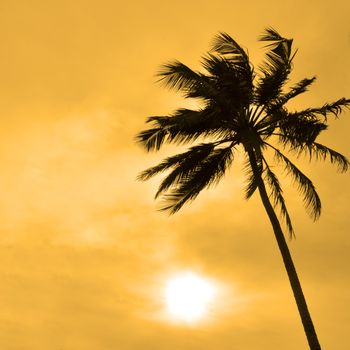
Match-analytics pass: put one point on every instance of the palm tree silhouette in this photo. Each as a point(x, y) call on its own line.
point(243, 108)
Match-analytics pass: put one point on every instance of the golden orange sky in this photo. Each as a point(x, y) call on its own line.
point(84, 253)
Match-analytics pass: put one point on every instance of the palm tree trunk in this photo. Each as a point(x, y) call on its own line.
point(287, 259)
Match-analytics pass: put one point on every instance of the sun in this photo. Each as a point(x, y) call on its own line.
point(187, 296)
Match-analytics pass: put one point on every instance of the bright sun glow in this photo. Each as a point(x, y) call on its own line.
point(187, 296)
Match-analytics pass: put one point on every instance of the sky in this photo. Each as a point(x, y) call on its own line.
point(84, 252)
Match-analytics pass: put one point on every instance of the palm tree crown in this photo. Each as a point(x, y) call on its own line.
point(239, 107)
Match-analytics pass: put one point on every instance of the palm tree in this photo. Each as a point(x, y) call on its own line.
point(242, 108)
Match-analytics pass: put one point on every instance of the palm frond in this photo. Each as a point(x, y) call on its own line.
point(276, 67)
point(295, 90)
point(278, 199)
point(301, 144)
point(269, 87)
point(225, 45)
point(300, 129)
point(280, 48)
point(235, 89)
point(268, 123)
point(194, 155)
point(188, 164)
point(319, 151)
point(251, 183)
point(311, 199)
point(186, 125)
point(252, 180)
point(152, 139)
point(205, 90)
point(334, 108)
point(205, 174)
point(270, 34)
point(178, 76)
